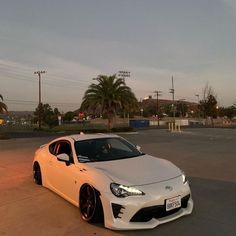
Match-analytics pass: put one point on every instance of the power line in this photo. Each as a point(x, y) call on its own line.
point(15, 67)
point(17, 78)
point(14, 77)
point(35, 102)
point(51, 76)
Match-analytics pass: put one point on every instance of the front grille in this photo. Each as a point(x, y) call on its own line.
point(159, 211)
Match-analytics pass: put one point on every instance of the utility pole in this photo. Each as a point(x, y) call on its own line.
point(40, 100)
point(158, 93)
point(172, 90)
point(197, 95)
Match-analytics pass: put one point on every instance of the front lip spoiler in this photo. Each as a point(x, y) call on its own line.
point(119, 224)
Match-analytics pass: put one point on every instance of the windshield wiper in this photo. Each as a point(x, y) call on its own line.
point(84, 159)
point(137, 155)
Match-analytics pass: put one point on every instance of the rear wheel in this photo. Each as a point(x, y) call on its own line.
point(37, 174)
point(90, 204)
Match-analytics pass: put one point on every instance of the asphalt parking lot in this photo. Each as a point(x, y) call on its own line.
point(208, 156)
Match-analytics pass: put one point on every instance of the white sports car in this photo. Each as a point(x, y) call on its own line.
point(112, 181)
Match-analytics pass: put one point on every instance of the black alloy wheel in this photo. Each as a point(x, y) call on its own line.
point(90, 204)
point(37, 174)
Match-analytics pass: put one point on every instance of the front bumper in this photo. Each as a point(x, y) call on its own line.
point(148, 211)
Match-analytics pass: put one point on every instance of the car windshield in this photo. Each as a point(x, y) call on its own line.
point(105, 149)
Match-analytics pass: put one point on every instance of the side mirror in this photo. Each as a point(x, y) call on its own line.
point(138, 148)
point(63, 157)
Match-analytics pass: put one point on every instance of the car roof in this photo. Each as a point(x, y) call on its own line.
point(82, 136)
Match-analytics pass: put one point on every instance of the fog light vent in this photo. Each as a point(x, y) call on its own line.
point(116, 208)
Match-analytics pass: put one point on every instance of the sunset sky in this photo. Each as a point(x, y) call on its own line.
point(75, 40)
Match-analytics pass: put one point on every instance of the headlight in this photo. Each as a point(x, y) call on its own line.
point(120, 190)
point(184, 178)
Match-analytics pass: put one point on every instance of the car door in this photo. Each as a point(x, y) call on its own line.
point(63, 177)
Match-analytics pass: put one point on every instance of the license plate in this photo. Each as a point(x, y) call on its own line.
point(173, 203)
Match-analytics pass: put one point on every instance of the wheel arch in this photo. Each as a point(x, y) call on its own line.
point(91, 185)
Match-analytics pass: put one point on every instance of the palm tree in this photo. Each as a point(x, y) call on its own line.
point(109, 95)
point(3, 106)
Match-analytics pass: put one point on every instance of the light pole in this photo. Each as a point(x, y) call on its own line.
point(124, 74)
point(172, 90)
point(40, 100)
point(158, 93)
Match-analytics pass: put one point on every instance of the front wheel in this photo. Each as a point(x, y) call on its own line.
point(90, 204)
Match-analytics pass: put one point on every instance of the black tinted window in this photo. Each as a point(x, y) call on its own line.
point(105, 149)
point(64, 147)
point(52, 148)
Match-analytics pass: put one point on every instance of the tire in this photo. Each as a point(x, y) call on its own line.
point(90, 204)
point(37, 174)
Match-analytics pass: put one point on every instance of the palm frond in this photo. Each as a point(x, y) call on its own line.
point(3, 107)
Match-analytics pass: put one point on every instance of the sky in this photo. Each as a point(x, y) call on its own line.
point(74, 41)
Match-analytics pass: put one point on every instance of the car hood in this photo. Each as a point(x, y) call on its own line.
point(140, 170)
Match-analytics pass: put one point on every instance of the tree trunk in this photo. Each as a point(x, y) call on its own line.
point(212, 121)
point(110, 121)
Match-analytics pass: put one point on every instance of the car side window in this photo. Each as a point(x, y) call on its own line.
point(65, 147)
point(52, 148)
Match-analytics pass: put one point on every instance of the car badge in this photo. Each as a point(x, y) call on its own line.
point(169, 188)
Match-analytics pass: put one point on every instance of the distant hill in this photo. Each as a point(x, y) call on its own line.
point(153, 101)
point(21, 113)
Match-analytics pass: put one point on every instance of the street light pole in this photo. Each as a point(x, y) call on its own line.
point(40, 99)
point(158, 93)
point(124, 74)
point(172, 90)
